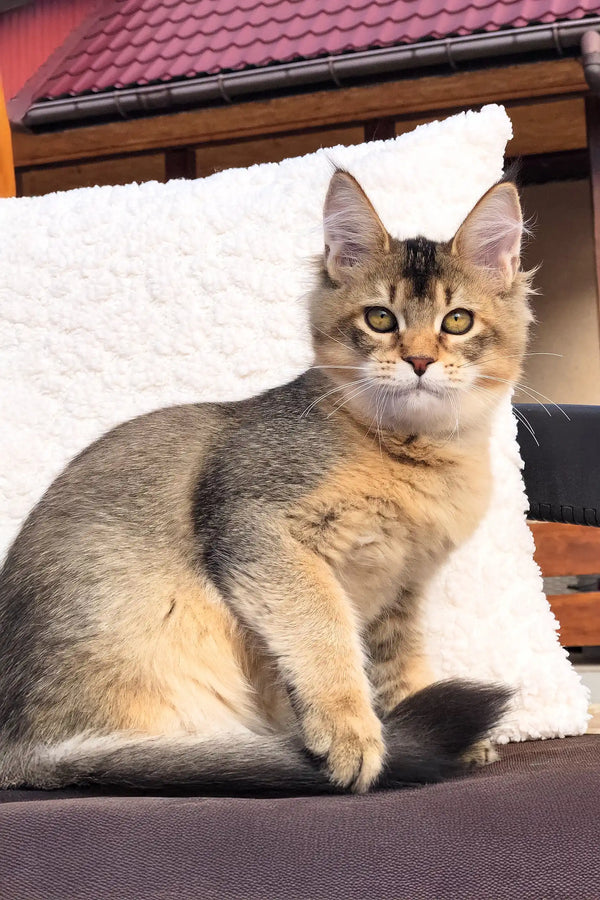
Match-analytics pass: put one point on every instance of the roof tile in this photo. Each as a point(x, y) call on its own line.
point(126, 56)
point(125, 76)
point(119, 40)
point(153, 71)
point(137, 18)
point(99, 64)
point(127, 42)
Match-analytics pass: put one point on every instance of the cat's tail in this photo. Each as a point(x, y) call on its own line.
point(427, 736)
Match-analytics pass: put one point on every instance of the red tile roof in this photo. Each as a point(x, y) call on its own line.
point(132, 42)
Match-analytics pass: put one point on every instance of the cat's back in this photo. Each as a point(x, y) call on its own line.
point(130, 466)
point(138, 483)
point(159, 455)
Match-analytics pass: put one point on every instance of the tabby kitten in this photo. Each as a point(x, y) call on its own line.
point(226, 597)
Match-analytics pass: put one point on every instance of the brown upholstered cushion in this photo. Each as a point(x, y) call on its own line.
point(526, 827)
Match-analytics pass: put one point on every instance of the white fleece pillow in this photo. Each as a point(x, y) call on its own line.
point(118, 300)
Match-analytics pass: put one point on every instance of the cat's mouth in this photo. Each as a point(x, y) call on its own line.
point(418, 389)
point(428, 388)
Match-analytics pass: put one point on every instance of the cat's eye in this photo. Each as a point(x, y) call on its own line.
point(380, 319)
point(459, 321)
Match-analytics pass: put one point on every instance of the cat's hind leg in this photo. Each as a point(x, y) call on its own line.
point(398, 664)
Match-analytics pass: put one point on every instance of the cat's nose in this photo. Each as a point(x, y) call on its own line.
point(419, 363)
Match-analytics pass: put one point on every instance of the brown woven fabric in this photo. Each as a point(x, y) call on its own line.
point(526, 827)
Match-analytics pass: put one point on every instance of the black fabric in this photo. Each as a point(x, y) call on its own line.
point(562, 474)
point(525, 828)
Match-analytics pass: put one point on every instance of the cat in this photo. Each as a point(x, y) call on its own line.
point(227, 597)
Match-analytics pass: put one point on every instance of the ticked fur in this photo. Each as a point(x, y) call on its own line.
point(249, 575)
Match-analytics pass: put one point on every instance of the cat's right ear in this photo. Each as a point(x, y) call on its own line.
point(490, 237)
point(353, 230)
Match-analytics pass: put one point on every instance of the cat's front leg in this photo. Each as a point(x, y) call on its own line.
point(399, 666)
point(290, 596)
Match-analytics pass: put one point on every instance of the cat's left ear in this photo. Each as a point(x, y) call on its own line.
point(353, 230)
point(490, 236)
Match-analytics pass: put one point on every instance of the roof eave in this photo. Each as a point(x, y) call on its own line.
point(561, 38)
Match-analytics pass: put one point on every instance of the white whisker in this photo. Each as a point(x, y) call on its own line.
point(340, 387)
point(357, 368)
point(378, 397)
point(530, 391)
point(525, 421)
point(332, 338)
point(485, 359)
point(357, 393)
point(518, 413)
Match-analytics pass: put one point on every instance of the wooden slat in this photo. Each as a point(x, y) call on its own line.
point(145, 167)
point(547, 127)
point(543, 125)
point(579, 617)
point(539, 127)
point(566, 549)
point(405, 97)
point(216, 157)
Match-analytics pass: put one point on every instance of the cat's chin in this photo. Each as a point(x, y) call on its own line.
point(426, 411)
point(422, 412)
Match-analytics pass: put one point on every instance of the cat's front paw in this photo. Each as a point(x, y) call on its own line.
point(481, 754)
point(350, 743)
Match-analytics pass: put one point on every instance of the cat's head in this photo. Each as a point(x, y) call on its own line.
point(420, 337)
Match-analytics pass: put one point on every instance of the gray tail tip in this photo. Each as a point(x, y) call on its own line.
point(443, 721)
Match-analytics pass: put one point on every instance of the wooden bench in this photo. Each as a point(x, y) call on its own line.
point(571, 550)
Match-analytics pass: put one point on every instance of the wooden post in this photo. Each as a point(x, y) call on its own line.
point(592, 118)
point(180, 162)
point(380, 129)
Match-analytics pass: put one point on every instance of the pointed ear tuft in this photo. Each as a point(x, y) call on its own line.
point(490, 236)
point(353, 230)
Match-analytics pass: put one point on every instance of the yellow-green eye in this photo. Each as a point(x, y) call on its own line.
point(459, 321)
point(380, 319)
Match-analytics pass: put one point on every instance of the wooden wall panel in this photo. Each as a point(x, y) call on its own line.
point(216, 157)
point(35, 182)
point(404, 125)
point(547, 127)
point(426, 95)
point(579, 617)
point(571, 550)
point(544, 126)
point(566, 549)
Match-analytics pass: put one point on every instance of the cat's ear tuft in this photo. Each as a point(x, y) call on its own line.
point(353, 230)
point(490, 236)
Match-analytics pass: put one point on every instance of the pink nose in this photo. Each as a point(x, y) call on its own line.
point(419, 363)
